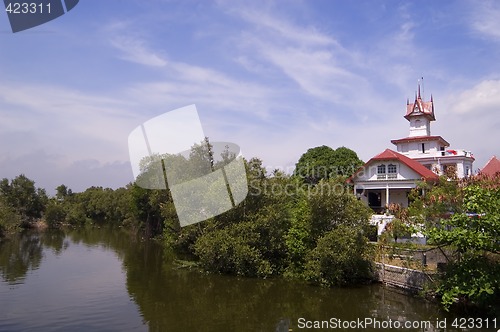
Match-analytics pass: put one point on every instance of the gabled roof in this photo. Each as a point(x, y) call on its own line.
point(389, 155)
point(421, 139)
point(420, 107)
point(491, 167)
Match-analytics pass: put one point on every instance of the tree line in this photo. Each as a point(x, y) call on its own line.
point(307, 225)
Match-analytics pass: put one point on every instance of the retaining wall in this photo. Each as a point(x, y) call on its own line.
point(409, 279)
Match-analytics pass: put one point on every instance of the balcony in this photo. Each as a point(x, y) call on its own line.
point(390, 176)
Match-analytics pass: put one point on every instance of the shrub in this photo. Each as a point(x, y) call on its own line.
point(232, 250)
point(55, 215)
point(340, 258)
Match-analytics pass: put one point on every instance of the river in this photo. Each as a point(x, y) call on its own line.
point(102, 279)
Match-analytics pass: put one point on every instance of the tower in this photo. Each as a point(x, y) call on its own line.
point(420, 114)
point(431, 151)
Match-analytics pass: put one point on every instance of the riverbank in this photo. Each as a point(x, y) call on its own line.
point(91, 278)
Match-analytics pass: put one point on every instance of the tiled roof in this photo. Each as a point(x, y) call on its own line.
point(389, 154)
point(420, 107)
point(491, 167)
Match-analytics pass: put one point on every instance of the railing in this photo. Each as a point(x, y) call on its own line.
point(390, 176)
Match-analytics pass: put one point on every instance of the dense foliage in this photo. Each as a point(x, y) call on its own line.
point(285, 225)
point(464, 215)
point(323, 162)
point(21, 203)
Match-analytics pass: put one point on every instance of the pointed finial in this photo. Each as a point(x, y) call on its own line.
point(419, 96)
point(407, 101)
point(431, 98)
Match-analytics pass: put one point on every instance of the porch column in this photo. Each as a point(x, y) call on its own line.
point(387, 195)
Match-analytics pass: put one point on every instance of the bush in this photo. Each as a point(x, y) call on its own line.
point(340, 258)
point(474, 281)
point(9, 220)
point(231, 250)
point(55, 215)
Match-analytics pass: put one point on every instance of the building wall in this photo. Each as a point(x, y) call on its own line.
point(403, 171)
point(420, 126)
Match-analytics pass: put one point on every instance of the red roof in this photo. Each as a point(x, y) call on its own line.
point(388, 154)
point(421, 138)
point(420, 107)
point(492, 167)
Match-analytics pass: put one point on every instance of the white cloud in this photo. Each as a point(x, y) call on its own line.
point(66, 120)
point(293, 33)
point(485, 18)
point(135, 50)
point(483, 97)
point(54, 169)
point(314, 60)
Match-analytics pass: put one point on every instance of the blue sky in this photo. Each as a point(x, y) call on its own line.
point(276, 78)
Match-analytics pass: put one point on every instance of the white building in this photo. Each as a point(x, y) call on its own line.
point(388, 177)
point(433, 152)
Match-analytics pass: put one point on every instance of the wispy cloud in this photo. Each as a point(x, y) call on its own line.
point(485, 18)
point(314, 60)
point(481, 98)
point(136, 51)
point(186, 83)
point(67, 120)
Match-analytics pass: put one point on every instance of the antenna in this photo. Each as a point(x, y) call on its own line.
point(423, 90)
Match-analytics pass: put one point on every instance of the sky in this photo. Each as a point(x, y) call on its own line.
point(274, 77)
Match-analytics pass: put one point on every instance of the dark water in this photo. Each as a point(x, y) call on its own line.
point(107, 280)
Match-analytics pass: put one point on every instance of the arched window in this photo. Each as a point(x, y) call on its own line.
point(392, 171)
point(381, 171)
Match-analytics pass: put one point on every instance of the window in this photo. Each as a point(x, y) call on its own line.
point(392, 171)
point(381, 169)
point(423, 147)
point(381, 172)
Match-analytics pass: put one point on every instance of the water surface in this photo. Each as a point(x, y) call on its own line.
point(108, 280)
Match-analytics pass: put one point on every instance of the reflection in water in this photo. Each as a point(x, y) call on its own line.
point(107, 279)
point(20, 254)
point(173, 299)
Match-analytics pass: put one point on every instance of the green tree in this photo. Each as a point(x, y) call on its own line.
point(323, 162)
point(9, 219)
point(464, 215)
point(55, 214)
point(332, 204)
point(62, 192)
point(24, 198)
point(341, 257)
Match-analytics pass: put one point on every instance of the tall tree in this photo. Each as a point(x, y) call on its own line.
point(22, 195)
point(323, 162)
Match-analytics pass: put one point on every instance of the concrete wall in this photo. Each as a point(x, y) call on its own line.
point(401, 277)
